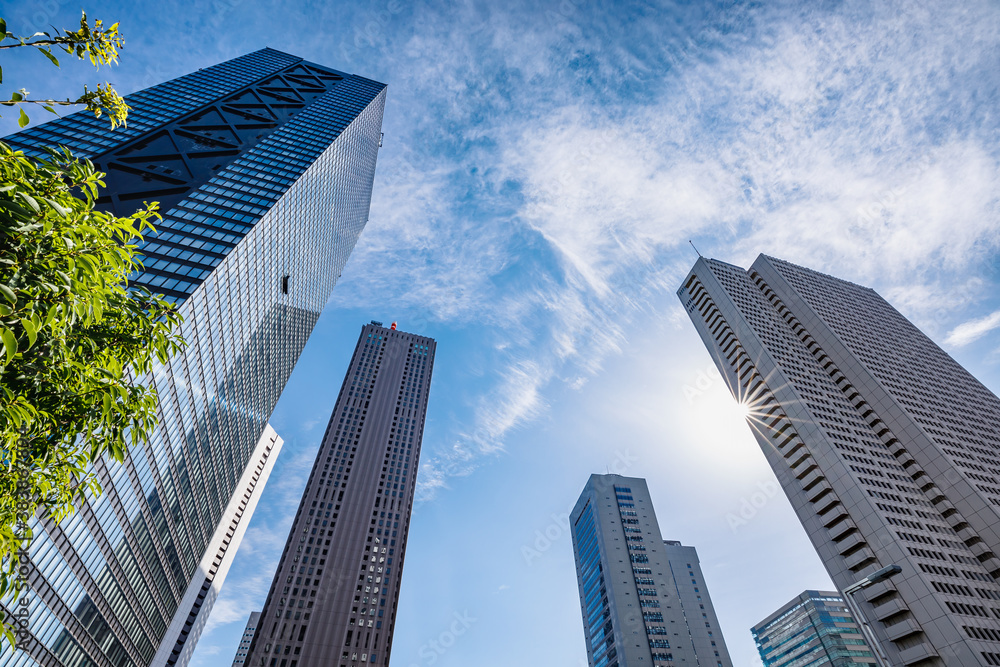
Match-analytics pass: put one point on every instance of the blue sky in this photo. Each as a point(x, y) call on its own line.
point(544, 166)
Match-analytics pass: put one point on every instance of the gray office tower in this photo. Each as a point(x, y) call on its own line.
point(888, 450)
point(644, 600)
point(816, 628)
point(243, 650)
point(263, 166)
point(334, 595)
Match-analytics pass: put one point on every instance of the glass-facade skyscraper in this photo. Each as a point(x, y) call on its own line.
point(888, 449)
point(263, 166)
point(816, 628)
point(334, 595)
point(644, 600)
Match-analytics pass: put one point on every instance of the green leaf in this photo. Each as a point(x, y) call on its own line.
point(9, 343)
point(48, 54)
point(89, 265)
point(31, 330)
point(81, 380)
point(50, 109)
point(29, 199)
point(61, 210)
point(3, 27)
point(22, 120)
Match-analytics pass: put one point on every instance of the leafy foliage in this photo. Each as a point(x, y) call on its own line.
point(98, 44)
point(75, 341)
point(74, 338)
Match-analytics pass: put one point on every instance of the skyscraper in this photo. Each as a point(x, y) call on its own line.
point(644, 600)
point(888, 450)
point(334, 595)
point(263, 166)
point(816, 628)
point(243, 651)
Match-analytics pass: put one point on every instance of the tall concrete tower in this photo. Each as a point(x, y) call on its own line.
point(334, 595)
point(888, 449)
point(644, 600)
point(240, 659)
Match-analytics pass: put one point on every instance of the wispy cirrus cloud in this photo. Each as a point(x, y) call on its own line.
point(817, 137)
point(973, 330)
point(850, 140)
point(545, 164)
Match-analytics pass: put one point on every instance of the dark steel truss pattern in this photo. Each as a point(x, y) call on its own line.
point(175, 159)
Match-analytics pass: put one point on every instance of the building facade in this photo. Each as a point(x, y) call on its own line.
point(814, 629)
point(644, 600)
point(886, 447)
point(206, 584)
point(263, 166)
point(334, 595)
point(246, 640)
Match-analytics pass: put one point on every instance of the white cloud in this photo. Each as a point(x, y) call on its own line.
point(607, 193)
point(811, 144)
point(541, 176)
point(850, 141)
point(239, 598)
point(516, 400)
point(973, 330)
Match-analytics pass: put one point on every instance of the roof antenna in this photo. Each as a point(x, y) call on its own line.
point(693, 246)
